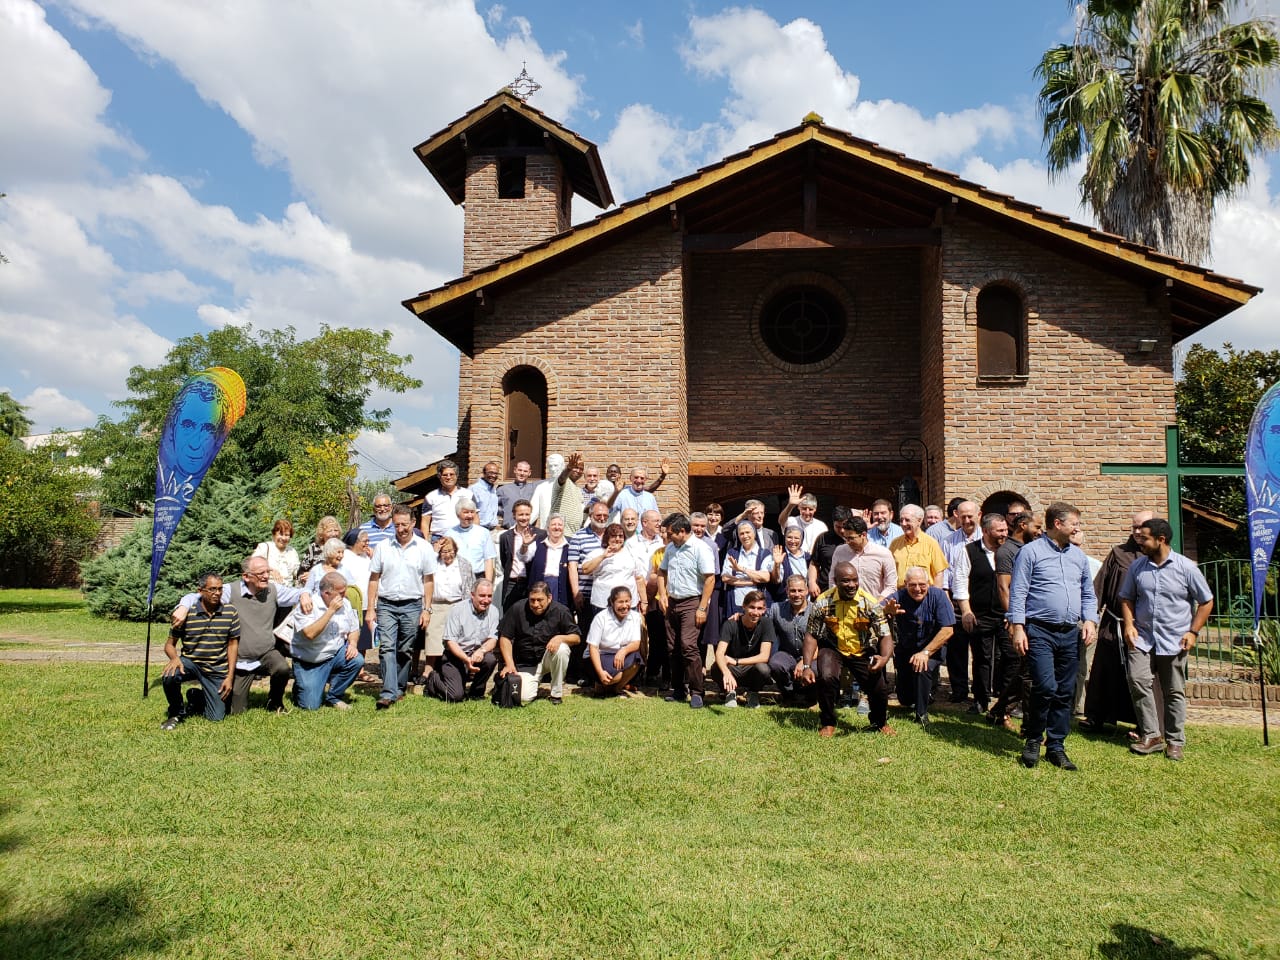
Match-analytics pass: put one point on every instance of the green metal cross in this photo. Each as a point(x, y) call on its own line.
point(1173, 470)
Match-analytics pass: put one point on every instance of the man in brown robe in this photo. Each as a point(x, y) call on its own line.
point(1107, 698)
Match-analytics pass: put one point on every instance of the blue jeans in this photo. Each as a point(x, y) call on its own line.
point(215, 708)
point(397, 630)
point(309, 681)
point(1052, 656)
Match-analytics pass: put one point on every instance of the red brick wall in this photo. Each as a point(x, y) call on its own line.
point(1090, 397)
point(608, 334)
point(494, 228)
point(745, 404)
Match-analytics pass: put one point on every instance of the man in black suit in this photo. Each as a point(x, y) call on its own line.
point(515, 553)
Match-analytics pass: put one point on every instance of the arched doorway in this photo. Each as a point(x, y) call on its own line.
point(524, 391)
point(999, 501)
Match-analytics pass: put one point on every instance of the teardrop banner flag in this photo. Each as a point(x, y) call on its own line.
point(203, 413)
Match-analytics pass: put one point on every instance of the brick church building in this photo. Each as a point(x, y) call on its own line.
point(816, 309)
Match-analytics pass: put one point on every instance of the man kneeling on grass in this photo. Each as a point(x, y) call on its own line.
point(614, 642)
point(535, 636)
point(742, 655)
point(470, 637)
point(209, 634)
point(326, 648)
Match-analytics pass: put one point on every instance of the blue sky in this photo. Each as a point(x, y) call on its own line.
point(172, 166)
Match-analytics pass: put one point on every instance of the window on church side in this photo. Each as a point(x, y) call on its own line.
point(511, 171)
point(803, 325)
point(1002, 347)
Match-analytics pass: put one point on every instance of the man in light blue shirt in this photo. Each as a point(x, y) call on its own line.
point(485, 493)
point(475, 544)
point(635, 496)
point(1166, 602)
point(1052, 607)
point(882, 531)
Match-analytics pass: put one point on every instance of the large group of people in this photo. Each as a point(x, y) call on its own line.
point(580, 580)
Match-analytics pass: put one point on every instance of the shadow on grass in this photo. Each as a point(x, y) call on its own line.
point(974, 732)
point(1138, 943)
point(42, 605)
point(102, 923)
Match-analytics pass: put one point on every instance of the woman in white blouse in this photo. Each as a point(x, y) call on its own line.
point(615, 643)
point(280, 557)
point(551, 561)
point(453, 580)
point(614, 566)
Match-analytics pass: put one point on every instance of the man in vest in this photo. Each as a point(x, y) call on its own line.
point(977, 597)
point(260, 653)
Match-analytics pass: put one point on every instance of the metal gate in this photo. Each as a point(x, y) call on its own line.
point(1224, 651)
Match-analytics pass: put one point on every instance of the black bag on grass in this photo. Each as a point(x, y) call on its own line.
point(506, 691)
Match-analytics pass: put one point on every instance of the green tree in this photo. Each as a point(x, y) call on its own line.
point(44, 523)
point(1162, 98)
point(299, 392)
point(317, 483)
point(1216, 397)
point(13, 417)
point(223, 524)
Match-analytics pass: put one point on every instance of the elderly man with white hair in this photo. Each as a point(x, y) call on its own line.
point(475, 544)
point(915, 548)
point(326, 655)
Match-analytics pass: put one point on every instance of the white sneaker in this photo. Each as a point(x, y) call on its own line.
point(340, 705)
point(730, 700)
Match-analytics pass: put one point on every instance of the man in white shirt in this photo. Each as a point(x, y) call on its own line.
point(326, 648)
point(440, 507)
point(800, 511)
point(401, 585)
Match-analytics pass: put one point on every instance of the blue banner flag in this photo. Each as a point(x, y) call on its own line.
point(1262, 489)
point(203, 413)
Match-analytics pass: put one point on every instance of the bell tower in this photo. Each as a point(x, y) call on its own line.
point(514, 170)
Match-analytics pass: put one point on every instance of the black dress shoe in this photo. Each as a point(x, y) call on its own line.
point(1030, 755)
point(1060, 760)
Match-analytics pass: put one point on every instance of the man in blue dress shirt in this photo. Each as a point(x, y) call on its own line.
point(1052, 608)
point(1166, 603)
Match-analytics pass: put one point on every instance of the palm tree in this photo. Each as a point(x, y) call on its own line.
point(1162, 99)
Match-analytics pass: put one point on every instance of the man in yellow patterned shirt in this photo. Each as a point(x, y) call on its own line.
point(847, 628)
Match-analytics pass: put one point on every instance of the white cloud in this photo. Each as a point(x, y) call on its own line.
point(51, 111)
point(169, 285)
point(635, 32)
point(775, 74)
point(403, 448)
point(49, 409)
point(339, 100)
point(1029, 181)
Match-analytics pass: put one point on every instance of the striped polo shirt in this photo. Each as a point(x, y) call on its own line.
point(205, 635)
point(581, 546)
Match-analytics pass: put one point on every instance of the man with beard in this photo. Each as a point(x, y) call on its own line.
point(1107, 698)
point(1166, 603)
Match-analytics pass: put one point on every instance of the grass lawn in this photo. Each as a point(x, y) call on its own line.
point(61, 616)
point(631, 828)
